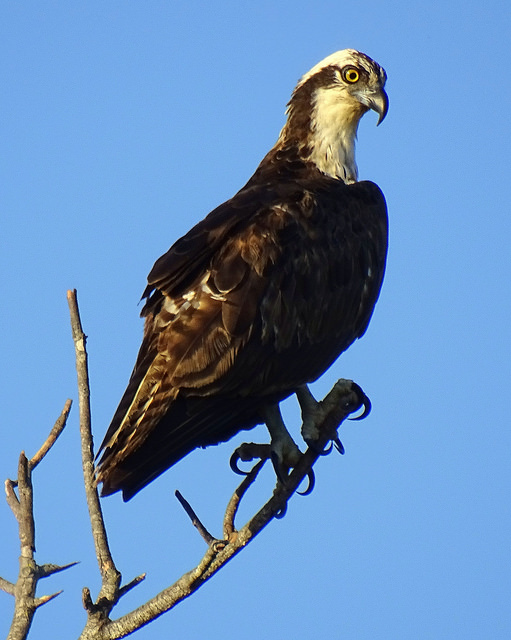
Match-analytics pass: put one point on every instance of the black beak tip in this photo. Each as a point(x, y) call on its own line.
point(382, 108)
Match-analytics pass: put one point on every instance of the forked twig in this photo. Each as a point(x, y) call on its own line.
point(22, 505)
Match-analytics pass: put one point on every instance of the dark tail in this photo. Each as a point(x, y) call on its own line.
point(189, 423)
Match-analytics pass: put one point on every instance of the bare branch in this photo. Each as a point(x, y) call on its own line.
point(232, 507)
point(7, 586)
point(46, 570)
point(128, 587)
point(12, 498)
point(88, 605)
point(22, 506)
point(26, 510)
point(38, 602)
point(208, 538)
point(57, 429)
point(98, 526)
point(110, 575)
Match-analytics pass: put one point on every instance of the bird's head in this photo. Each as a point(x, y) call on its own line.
point(326, 107)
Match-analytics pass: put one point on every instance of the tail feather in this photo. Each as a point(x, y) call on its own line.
point(189, 423)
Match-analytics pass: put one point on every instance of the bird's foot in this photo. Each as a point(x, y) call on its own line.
point(247, 452)
point(283, 453)
point(346, 394)
point(313, 414)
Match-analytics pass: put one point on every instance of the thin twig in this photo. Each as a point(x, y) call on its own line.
point(46, 570)
point(7, 586)
point(11, 497)
point(209, 539)
point(128, 587)
point(53, 435)
point(232, 507)
point(44, 599)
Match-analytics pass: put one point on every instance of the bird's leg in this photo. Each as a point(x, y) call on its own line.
point(284, 451)
point(314, 413)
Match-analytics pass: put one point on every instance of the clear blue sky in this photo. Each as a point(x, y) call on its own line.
point(125, 123)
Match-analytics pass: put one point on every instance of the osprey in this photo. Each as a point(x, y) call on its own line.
point(261, 296)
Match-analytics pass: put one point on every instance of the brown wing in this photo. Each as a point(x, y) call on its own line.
point(257, 299)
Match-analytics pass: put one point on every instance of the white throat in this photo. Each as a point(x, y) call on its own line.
point(334, 125)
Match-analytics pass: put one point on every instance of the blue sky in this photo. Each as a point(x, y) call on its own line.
point(125, 123)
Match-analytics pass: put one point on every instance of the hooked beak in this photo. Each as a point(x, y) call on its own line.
point(379, 102)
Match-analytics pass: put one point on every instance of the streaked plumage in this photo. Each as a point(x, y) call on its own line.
point(263, 294)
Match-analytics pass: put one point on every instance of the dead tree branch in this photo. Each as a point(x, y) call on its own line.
point(337, 406)
point(105, 561)
point(22, 506)
point(111, 589)
point(343, 399)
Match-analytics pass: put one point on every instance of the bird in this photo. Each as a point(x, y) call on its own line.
point(260, 297)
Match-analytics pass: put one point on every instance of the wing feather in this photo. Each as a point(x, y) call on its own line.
point(258, 298)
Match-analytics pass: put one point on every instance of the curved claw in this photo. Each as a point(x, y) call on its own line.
point(233, 463)
point(312, 444)
point(338, 445)
point(281, 513)
point(310, 487)
point(364, 402)
point(327, 450)
point(247, 452)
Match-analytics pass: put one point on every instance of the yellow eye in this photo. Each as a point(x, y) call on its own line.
point(351, 75)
